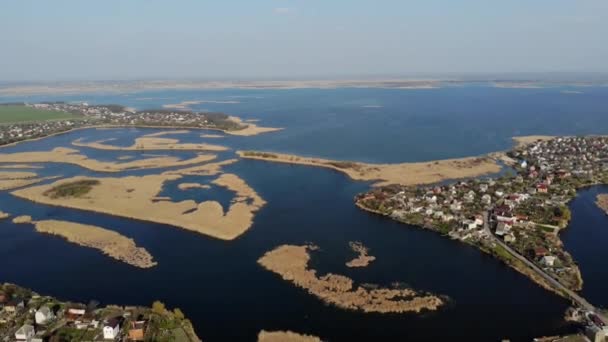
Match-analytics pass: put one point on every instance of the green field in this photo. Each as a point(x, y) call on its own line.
point(15, 113)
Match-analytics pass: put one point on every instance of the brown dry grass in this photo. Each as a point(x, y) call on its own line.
point(291, 263)
point(107, 241)
point(602, 202)
point(404, 173)
point(134, 197)
point(285, 336)
point(363, 259)
point(72, 156)
point(151, 143)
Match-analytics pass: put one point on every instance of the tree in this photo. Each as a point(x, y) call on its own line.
point(158, 307)
point(178, 314)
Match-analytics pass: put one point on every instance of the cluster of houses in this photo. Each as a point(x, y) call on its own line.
point(525, 207)
point(28, 317)
point(92, 115)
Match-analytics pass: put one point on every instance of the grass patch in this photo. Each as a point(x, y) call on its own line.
point(19, 113)
point(72, 189)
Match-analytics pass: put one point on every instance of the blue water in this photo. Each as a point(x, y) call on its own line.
point(228, 296)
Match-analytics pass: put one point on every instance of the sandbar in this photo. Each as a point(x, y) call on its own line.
point(385, 174)
point(5, 175)
point(22, 219)
point(188, 186)
point(363, 259)
point(291, 263)
point(134, 197)
point(20, 166)
point(149, 143)
point(251, 129)
point(209, 169)
point(72, 156)
point(162, 133)
point(4, 215)
point(185, 105)
point(16, 179)
point(212, 136)
point(107, 241)
point(285, 336)
point(602, 202)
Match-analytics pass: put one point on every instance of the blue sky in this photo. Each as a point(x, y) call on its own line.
point(244, 39)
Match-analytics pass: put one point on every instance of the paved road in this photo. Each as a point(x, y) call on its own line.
point(573, 295)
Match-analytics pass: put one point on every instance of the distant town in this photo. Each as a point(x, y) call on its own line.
point(86, 115)
point(28, 316)
point(515, 217)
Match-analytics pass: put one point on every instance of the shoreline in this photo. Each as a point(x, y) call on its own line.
point(109, 126)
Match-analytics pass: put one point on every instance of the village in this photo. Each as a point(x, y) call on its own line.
point(111, 115)
point(521, 211)
point(28, 317)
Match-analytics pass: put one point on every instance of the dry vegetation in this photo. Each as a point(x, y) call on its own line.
point(404, 173)
point(363, 259)
point(151, 143)
point(285, 336)
point(109, 242)
point(22, 219)
point(72, 156)
point(136, 197)
point(291, 263)
point(602, 202)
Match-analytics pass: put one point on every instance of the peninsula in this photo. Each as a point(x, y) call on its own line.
point(602, 202)
point(516, 217)
point(384, 174)
point(79, 116)
point(28, 314)
point(291, 263)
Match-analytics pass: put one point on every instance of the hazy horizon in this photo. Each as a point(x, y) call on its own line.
point(71, 40)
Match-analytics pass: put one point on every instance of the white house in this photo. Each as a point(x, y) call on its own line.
point(25, 333)
point(44, 315)
point(111, 329)
point(548, 260)
point(469, 224)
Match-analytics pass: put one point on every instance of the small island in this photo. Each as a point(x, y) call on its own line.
point(363, 259)
point(107, 241)
point(291, 263)
point(285, 336)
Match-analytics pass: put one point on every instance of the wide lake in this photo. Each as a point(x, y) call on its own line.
point(229, 297)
